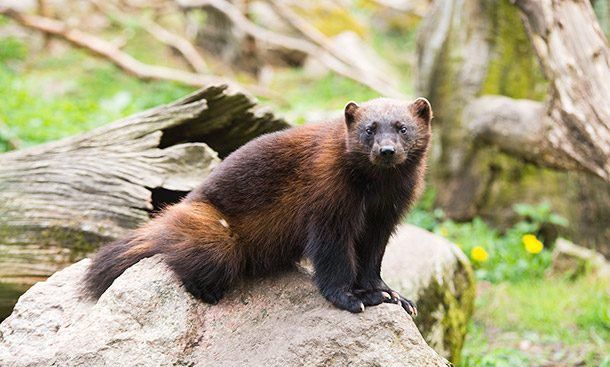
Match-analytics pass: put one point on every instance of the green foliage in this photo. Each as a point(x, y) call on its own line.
point(12, 49)
point(46, 103)
point(506, 256)
point(540, 214)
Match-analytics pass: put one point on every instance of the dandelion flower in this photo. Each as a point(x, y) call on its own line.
point(479, 254)
point(532, 244)
point(444, 232)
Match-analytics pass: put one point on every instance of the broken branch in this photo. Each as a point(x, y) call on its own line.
point(121, 59)
point(282, 41)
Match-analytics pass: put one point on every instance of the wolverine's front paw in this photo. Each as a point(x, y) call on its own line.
point(346, 301)
point(407, 304)
point(372, 297)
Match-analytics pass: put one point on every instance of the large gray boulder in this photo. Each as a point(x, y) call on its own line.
point(146, 318)
point(437, 275)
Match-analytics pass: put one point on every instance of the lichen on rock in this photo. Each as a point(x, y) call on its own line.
point(438, 277)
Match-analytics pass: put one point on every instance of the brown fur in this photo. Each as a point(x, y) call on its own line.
point(323, 190)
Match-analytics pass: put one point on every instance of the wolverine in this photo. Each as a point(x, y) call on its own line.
point(332, 192)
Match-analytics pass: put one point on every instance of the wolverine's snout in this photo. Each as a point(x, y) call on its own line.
point(387, 153)
point(387, 150)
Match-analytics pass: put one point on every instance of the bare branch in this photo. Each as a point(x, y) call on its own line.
point(282, 41)
point(317, 37)
point(188, 51)
point(403, 8)
point(121, 59)
point(186, 48)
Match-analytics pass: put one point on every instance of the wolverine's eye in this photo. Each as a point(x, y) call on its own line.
point(403, 130)
point(368, 131)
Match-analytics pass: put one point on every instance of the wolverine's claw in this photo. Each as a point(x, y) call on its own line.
point(409, 306)
point(372, 298)
point(406, 304)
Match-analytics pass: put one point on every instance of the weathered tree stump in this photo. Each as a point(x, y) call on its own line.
point(59, 200)
point(575, 58)
point(525, 50)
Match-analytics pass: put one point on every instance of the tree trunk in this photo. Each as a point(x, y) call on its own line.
point(575, 58)
point(466, 48)
point(61, 199)
point(486, 143)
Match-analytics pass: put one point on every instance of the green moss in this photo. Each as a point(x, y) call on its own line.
point(79, 243)
point(461, 307)
point(513, 70)
point(456, 308)
point(332, 19)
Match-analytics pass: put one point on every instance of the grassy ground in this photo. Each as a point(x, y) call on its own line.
point(47, 98)
point(541, 322)
point(523, 317)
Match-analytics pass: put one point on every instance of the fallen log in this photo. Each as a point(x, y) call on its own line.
point(59, 200)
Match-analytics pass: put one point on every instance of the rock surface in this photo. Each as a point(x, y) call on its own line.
point(574, 261)
point(146, 318)
point(437, 275)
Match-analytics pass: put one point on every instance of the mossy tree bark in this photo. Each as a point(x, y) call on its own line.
point(467, 48)
point(59, 200)
point(575, 58)
point(557, 49)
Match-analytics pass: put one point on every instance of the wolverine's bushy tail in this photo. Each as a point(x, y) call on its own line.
point(113, 259)
point(198, 245)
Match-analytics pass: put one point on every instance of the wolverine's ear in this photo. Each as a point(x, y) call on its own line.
point(421, 108)
point(350, 112)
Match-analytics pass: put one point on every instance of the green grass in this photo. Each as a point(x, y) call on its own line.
point(48, 98)
point(564, 308)
point(304, 94)
point(523, 316)
point(549, 315)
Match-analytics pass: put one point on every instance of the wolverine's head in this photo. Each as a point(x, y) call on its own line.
point(388, 131)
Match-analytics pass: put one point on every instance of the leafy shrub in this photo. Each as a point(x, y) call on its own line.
point(520, 252)
point(11, 49)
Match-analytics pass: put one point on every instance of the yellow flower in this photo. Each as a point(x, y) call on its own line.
point(444, 232)
point(532, 244)
point(479, 254)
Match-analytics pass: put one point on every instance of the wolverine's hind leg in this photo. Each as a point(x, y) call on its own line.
point(205, 254)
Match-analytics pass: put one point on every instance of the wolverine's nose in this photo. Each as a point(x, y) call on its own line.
point(387, 150)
